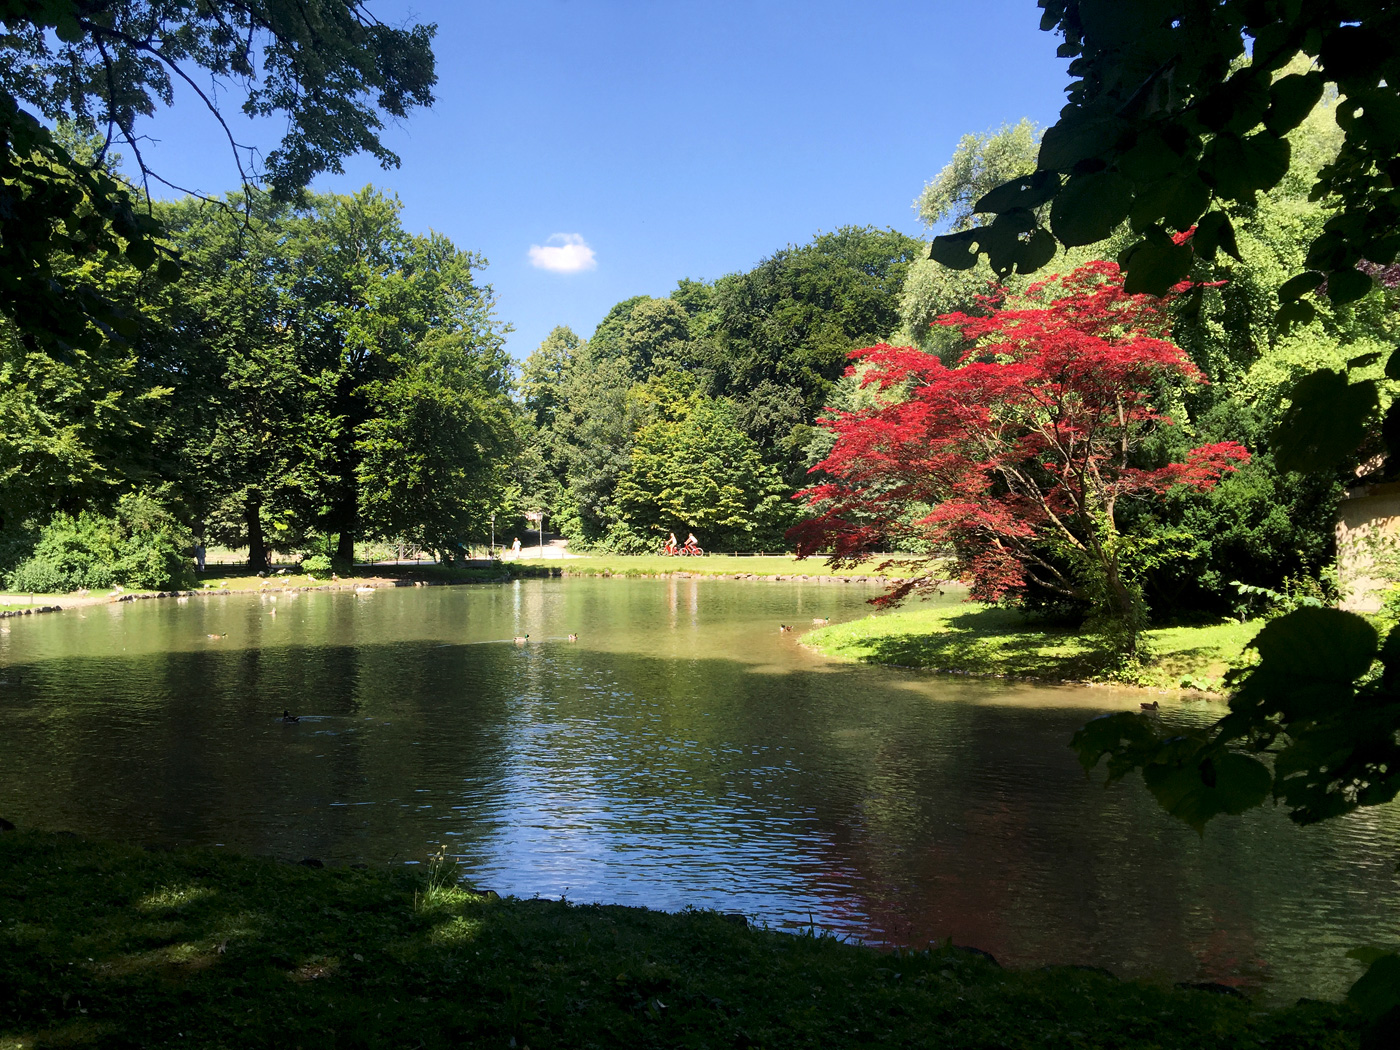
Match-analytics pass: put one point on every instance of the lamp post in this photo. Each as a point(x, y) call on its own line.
point(537, 516)
point(493, 535)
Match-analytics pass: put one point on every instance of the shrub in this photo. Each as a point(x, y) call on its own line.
point(38, 576)
point(142, 546)
point(316, 565)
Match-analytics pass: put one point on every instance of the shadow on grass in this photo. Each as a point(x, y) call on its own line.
point(113, 946)
point(992, 642)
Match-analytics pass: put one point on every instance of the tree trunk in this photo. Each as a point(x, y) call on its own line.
point(257, 545)
point(345, 548)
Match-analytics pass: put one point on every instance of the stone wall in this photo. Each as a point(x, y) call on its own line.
point(1368, 523)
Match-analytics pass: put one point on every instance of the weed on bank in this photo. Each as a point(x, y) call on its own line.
point(114, 946)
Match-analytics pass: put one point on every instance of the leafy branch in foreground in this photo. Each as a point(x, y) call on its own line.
point(329, 66)
point(1323, 704)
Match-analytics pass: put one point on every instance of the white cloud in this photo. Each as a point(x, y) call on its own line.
point(563, 253)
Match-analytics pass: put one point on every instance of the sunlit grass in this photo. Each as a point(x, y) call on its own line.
point(974, 639)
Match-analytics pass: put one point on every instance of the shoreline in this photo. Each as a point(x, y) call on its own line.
point(81, 601)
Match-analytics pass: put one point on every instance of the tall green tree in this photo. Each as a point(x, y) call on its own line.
point(329, 66)
point(692, 469)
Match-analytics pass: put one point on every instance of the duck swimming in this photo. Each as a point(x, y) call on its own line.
point(821, 621)
point(287, 716)
point(572, 637)
point(1154, 706)
point(521, 639)
point(784, 628)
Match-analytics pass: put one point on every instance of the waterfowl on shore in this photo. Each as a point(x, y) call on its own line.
point(1154, 706)
point(287, 716)
point(521, 639)
point(821, 621)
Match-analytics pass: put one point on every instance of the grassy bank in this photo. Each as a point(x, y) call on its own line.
point(974, 639)
point(712, 565)
point(109, 945)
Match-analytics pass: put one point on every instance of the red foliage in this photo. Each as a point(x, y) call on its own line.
point(1028, 439)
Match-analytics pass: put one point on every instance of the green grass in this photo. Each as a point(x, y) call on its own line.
point(108, 945)
point(975, 639)
point(710, 565)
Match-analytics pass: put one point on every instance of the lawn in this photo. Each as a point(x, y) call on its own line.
point(975, 639)
point(710, 565)
point(111, 945)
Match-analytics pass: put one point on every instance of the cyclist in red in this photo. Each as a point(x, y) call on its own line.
point(670, 549)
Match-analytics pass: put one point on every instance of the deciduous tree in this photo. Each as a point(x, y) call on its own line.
point(1021, 453)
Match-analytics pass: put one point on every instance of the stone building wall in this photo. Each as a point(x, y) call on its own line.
point(1368, 523)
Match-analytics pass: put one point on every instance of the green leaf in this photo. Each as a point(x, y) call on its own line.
point(956, 251)
point(1377, 992)
point(1326, 422)
point(1310, 645)
point(141, 253)
point(1090, 207)
point(67, 28)
point(1237, 167)
point(1178, 201)
point(1304, 283)
point(1154, 264)
point(1297, 312)
point(1347, 286)
point(1125, 732)
point(1368, 954)
point(1076, 138)
point(1215, 232)
point(1197, 790)
point(1029, 191)
point(1291, 99)
point(1036, 251)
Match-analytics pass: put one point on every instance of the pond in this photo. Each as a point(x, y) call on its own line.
point(682, 752)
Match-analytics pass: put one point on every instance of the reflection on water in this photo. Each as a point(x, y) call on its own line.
point(682, 752)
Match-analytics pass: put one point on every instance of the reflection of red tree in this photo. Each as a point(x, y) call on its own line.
point(1227, 952)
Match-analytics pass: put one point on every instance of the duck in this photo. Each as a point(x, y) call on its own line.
point(287, 716)
point(1154, 706)
point(215, 637)
point(521, 639)
point(572, 637)
point(821, 621)
point(784, 628)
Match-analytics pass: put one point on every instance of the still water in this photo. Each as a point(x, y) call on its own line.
point(681, 752)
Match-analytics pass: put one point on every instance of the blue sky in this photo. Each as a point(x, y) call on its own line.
point(661, 140)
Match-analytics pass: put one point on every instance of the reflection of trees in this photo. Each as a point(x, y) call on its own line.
point(669, 758)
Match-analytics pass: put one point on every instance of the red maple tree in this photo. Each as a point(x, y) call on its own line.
point(1016, 458)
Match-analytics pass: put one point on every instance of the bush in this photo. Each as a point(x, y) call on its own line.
point(142, 546)
point(37, 576)
point(316, 565)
